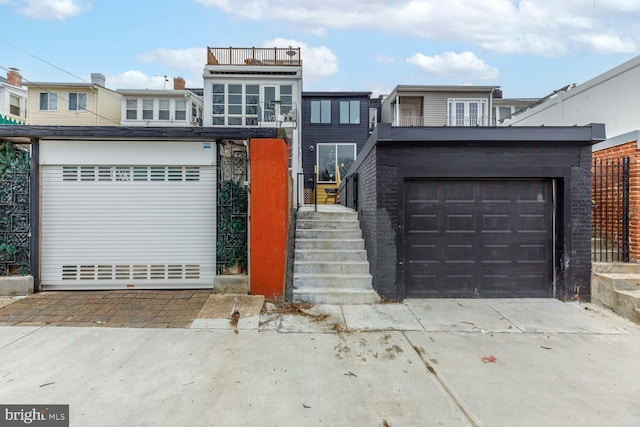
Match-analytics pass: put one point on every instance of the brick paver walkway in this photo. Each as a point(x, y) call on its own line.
point(125, 308)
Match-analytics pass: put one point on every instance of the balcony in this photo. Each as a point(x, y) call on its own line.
point(409, 121)
point(458, 121)
point(288, 56)
point(278, 114)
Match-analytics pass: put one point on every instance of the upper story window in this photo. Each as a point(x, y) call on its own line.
point(147, 109)
point(350, 112)
point(164, 109)
point(234, 105)
point(48, 101)
point(14, 105)
point(251, 104)
point(181, 110)
point(467, 112)
point(321, 111)
point(77, 101)
point(218, 104)
point(132, 109)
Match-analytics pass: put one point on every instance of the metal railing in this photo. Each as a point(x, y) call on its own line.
point(409, 121)
point(610, 210)
point(289, 56)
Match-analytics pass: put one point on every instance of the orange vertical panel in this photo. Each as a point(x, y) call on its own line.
point(269, 217)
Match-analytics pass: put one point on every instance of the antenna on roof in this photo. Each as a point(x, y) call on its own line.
point(166, 79)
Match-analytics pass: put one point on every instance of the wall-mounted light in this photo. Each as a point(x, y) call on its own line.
point(311, 148)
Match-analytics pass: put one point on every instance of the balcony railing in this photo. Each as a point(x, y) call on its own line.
point(289, 56)
point(468, 121)
point(409, 121)
point(279, 114)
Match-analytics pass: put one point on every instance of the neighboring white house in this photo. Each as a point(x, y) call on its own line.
point(13, 98)
point(73, 104)
point(255, 87)
point(607, 98)
point(424, 105)
point(147, 107)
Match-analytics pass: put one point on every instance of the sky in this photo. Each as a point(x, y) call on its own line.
point(528, 47)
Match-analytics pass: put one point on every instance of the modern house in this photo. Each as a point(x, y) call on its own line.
point(13, 98)
point(73, 104)
point(255, 87)
point(335, 127)
point(423, 105)
point(146, 107)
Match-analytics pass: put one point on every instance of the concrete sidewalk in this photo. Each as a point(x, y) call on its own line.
point(413, 364)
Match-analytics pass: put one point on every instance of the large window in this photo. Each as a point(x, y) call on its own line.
point(14, 105)
point(147, 109)
point(468, 112)
point(218, 105)
point(350, 112)
point(181, 110)
point(48, 101)
point(321, 111)
point(164, 109)
point(77, 101)
point(334, 159)
point(234, 105)
point(251, 103)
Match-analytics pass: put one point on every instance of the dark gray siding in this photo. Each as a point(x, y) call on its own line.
point(334, 132)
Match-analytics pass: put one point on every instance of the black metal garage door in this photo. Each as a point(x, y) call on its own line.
point(478, 238)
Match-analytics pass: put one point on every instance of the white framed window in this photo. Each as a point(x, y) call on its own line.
point(48, 101)
point(321, 111)
point(14, 105)
point(164, 109)
point(147, 109)
point(132, 109)
point(77, 101)
point(218, 104)
point(350, 112)
point(467, 112)
point(181, 110)
point(334, 160)
point(234, 105)
point(251, 104)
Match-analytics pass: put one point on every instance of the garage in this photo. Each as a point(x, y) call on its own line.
point(134, 214)
point(478, 238)
point(476, 212)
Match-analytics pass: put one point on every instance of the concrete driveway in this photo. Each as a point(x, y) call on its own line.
point(421, 363)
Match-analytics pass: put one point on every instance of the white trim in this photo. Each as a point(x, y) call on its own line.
point(618, 140)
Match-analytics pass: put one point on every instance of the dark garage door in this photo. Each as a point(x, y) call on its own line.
point(478, 238)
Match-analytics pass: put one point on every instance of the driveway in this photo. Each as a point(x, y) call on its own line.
point(421, 363)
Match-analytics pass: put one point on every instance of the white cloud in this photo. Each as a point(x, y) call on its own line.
point(53, 9)
point(385, 59)
point(192, 60)
point(540, 27)
point(462, 65)
point(137, 80)
point(318, 62)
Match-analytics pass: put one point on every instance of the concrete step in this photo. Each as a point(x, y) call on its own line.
point(618, 281)
point(328, 234)
point(335, 267)
point(321, 224)
point(327, 216)
point(330, 255)
point(336, 296)
point(334, 281)
point(618, 291)
point(326, 244)
point(615, 267)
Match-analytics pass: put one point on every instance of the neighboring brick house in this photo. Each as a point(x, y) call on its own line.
point(476, 212)
point(335, 127)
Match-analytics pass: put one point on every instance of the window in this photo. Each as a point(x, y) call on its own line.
point(77, 101)
point(286, 99)
point(147, 109)
point(334, 159)
point(321, 111)
point(181, 110)
point(350, 112)
point(14, 105)
point(48, 101)
point(251, 101)
point(218, 104)
point(467, 112)
point(132, 109)
point(234, 105)
point(164, 106)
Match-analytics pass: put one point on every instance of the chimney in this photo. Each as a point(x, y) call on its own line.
point(13, 77)
point(178, 83)
point(98, 79)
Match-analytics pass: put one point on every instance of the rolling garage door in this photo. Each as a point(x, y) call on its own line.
point(478, 238)
point(113, 226)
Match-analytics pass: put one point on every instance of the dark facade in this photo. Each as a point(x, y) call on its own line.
point(476, 212)
point(332, 129)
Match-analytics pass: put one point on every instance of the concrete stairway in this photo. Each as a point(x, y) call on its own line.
point(617, 286)
point(331, 264)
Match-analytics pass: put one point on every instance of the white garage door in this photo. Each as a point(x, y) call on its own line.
point(112, 226)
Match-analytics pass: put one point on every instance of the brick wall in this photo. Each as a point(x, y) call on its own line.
point(629, 149)
point(578, 250)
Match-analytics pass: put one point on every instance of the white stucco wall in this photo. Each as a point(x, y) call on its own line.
point(607, 98)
